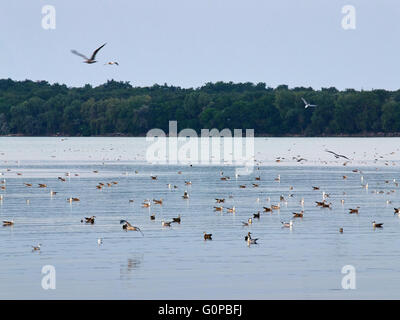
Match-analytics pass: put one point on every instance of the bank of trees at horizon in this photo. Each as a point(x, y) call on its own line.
point(39, 109)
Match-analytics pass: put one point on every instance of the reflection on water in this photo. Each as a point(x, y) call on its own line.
point(127, 270)
point(304, 261)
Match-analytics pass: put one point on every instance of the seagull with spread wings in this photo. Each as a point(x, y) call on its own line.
point(92, 58)
point(337, 156)
point(127, 226)
point(306, 104)
point(112, 63)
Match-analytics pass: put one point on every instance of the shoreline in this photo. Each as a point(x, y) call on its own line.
point(120, 135)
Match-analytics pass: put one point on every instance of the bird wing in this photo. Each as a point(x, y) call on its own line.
point(340, 155)
point(127, 223)
point(305, 102)
point(140, 231)
point(79, 54)
point(331, 152)
point(95, 51)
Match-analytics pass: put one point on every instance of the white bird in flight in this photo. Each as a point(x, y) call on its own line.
point(306, 104)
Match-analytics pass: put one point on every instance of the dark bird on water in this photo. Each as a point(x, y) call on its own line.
point(92, 58)
point(177, 220)
point(89, 219)
point(377, 225)
point(249, 239)
point(207, 236)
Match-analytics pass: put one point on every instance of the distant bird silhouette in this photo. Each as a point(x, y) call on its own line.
point(92, 58)
point(337, 156)
point(112, 63)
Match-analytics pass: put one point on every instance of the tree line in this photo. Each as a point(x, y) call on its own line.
point(118, 108)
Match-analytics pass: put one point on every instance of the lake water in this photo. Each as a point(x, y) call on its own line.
point(304, 262)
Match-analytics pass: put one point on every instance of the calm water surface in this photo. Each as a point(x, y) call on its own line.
point(176, 263)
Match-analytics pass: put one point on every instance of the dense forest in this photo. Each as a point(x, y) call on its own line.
point(118, 108)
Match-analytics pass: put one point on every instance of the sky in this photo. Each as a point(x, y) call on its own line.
point(188, 43)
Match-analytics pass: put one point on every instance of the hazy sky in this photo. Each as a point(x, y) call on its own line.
point(191, 42)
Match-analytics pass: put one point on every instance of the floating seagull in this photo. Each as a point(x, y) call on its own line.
point(177, 220)
point(337, 156)
point(166, 224)
point(298, 214)
point(354, 210)
point(99, 241)
point(92, 58)
point(127, 226)
point(287, 224)
point(377, 225)
point(306, 104)
point(249, 222)
point(89, 219)
point(36, 248)
point(207, 236)
point(249, 239)
point(8, 223)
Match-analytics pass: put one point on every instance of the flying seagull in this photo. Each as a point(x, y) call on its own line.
point(111, 63)
point(337, 156)
point(92, 58)
point(306, 104)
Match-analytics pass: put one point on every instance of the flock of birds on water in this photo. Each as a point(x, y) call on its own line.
point(219, 202)
point(126, 226)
